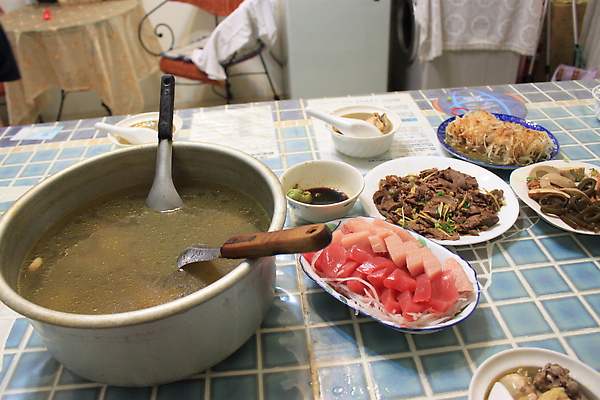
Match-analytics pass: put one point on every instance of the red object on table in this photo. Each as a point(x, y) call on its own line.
point(47, 14)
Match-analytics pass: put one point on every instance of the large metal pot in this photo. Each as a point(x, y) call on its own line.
point(158, 344)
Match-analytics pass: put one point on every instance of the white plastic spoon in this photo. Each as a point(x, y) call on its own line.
point(348, 126)
point(137, 135)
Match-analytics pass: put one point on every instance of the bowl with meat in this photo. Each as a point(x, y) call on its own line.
point(397, 277)
point(385, 120)
point(534, 373)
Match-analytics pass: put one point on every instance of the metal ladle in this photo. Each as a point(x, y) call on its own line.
point(348, 126)
point(163, 196)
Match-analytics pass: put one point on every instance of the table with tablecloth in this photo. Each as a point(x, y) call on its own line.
point(81, 47)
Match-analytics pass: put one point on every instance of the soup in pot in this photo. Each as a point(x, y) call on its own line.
point(115, 255)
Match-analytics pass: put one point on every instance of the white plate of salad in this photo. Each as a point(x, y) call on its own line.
point(487, 181)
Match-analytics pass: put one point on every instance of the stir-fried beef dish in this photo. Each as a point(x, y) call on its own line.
point(438, 204)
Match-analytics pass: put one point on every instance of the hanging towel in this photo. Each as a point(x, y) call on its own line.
point(478, 25)
point(245, 31)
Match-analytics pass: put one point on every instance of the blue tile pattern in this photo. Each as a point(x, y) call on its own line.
point(541, 287)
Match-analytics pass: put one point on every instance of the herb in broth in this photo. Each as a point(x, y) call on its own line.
point(115, 255)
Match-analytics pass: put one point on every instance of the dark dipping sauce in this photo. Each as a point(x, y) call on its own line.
point(325, 195)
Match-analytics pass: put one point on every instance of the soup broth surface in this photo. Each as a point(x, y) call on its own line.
point(115, 255)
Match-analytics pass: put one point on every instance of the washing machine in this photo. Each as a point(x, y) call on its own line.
point(451, 69)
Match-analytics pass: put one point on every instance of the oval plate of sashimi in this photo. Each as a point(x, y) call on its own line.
point(395, 276)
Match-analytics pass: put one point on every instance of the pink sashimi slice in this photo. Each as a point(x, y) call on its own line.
point(400, 280)
point(330, 259)
point(423, 289)
point(431, 264)
point(360, 224)
point(375, 264)
point(356, 285)
point(414, 262)
point(336, 237)
point(376, 278)
point(410, 309)
point(405, 235)
point(395, 249)
point(443, 292)
point(354, 238)
point(377, 244)
point(360, 253)
point(389, 299)
point(461, 280)
point(347, 269)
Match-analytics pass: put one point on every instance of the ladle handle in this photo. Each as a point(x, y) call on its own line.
point(302, 239)
point(167, 101)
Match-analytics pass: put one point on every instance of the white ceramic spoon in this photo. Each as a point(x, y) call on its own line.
point(348, 126)
point(137, 135)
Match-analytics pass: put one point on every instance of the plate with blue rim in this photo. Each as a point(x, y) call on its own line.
point(438, 250)
point(441, 135)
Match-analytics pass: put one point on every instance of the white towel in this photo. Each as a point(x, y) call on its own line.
point(238, 32)
point(512, 25)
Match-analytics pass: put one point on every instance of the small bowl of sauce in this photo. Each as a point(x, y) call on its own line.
point(322, 190)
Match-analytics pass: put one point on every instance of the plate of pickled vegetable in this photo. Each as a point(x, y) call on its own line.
point(566, 194)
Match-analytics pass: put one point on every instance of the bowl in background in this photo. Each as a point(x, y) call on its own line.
point(500, 363)
point(323, 173)
point(136, 119)
point(364, 147)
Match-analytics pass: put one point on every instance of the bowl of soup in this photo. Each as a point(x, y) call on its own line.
point(168, 331)
point(145, 120)
point(537, 373)
point(322, 190)
point(387, 121)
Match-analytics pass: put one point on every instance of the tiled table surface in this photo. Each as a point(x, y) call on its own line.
point(545, 289)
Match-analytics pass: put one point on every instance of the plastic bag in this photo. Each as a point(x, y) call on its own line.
point(567, 72)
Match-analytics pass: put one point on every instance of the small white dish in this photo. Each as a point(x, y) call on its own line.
point(518, 181)
point(364, 147)
point(493, 367)
point(323, 173)
point(139, 118)
point(508, 214)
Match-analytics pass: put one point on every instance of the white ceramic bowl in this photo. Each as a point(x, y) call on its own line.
point(364, 147)
point(323, 173)
point(493, 367)
point(136, 119)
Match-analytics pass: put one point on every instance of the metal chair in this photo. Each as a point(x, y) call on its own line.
point(177, 60)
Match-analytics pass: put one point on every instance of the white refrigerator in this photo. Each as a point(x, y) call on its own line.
point(336, 47)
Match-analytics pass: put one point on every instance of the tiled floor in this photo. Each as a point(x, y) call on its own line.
point(545, 289)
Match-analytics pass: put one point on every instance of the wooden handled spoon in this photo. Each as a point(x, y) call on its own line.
point(302, 239)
